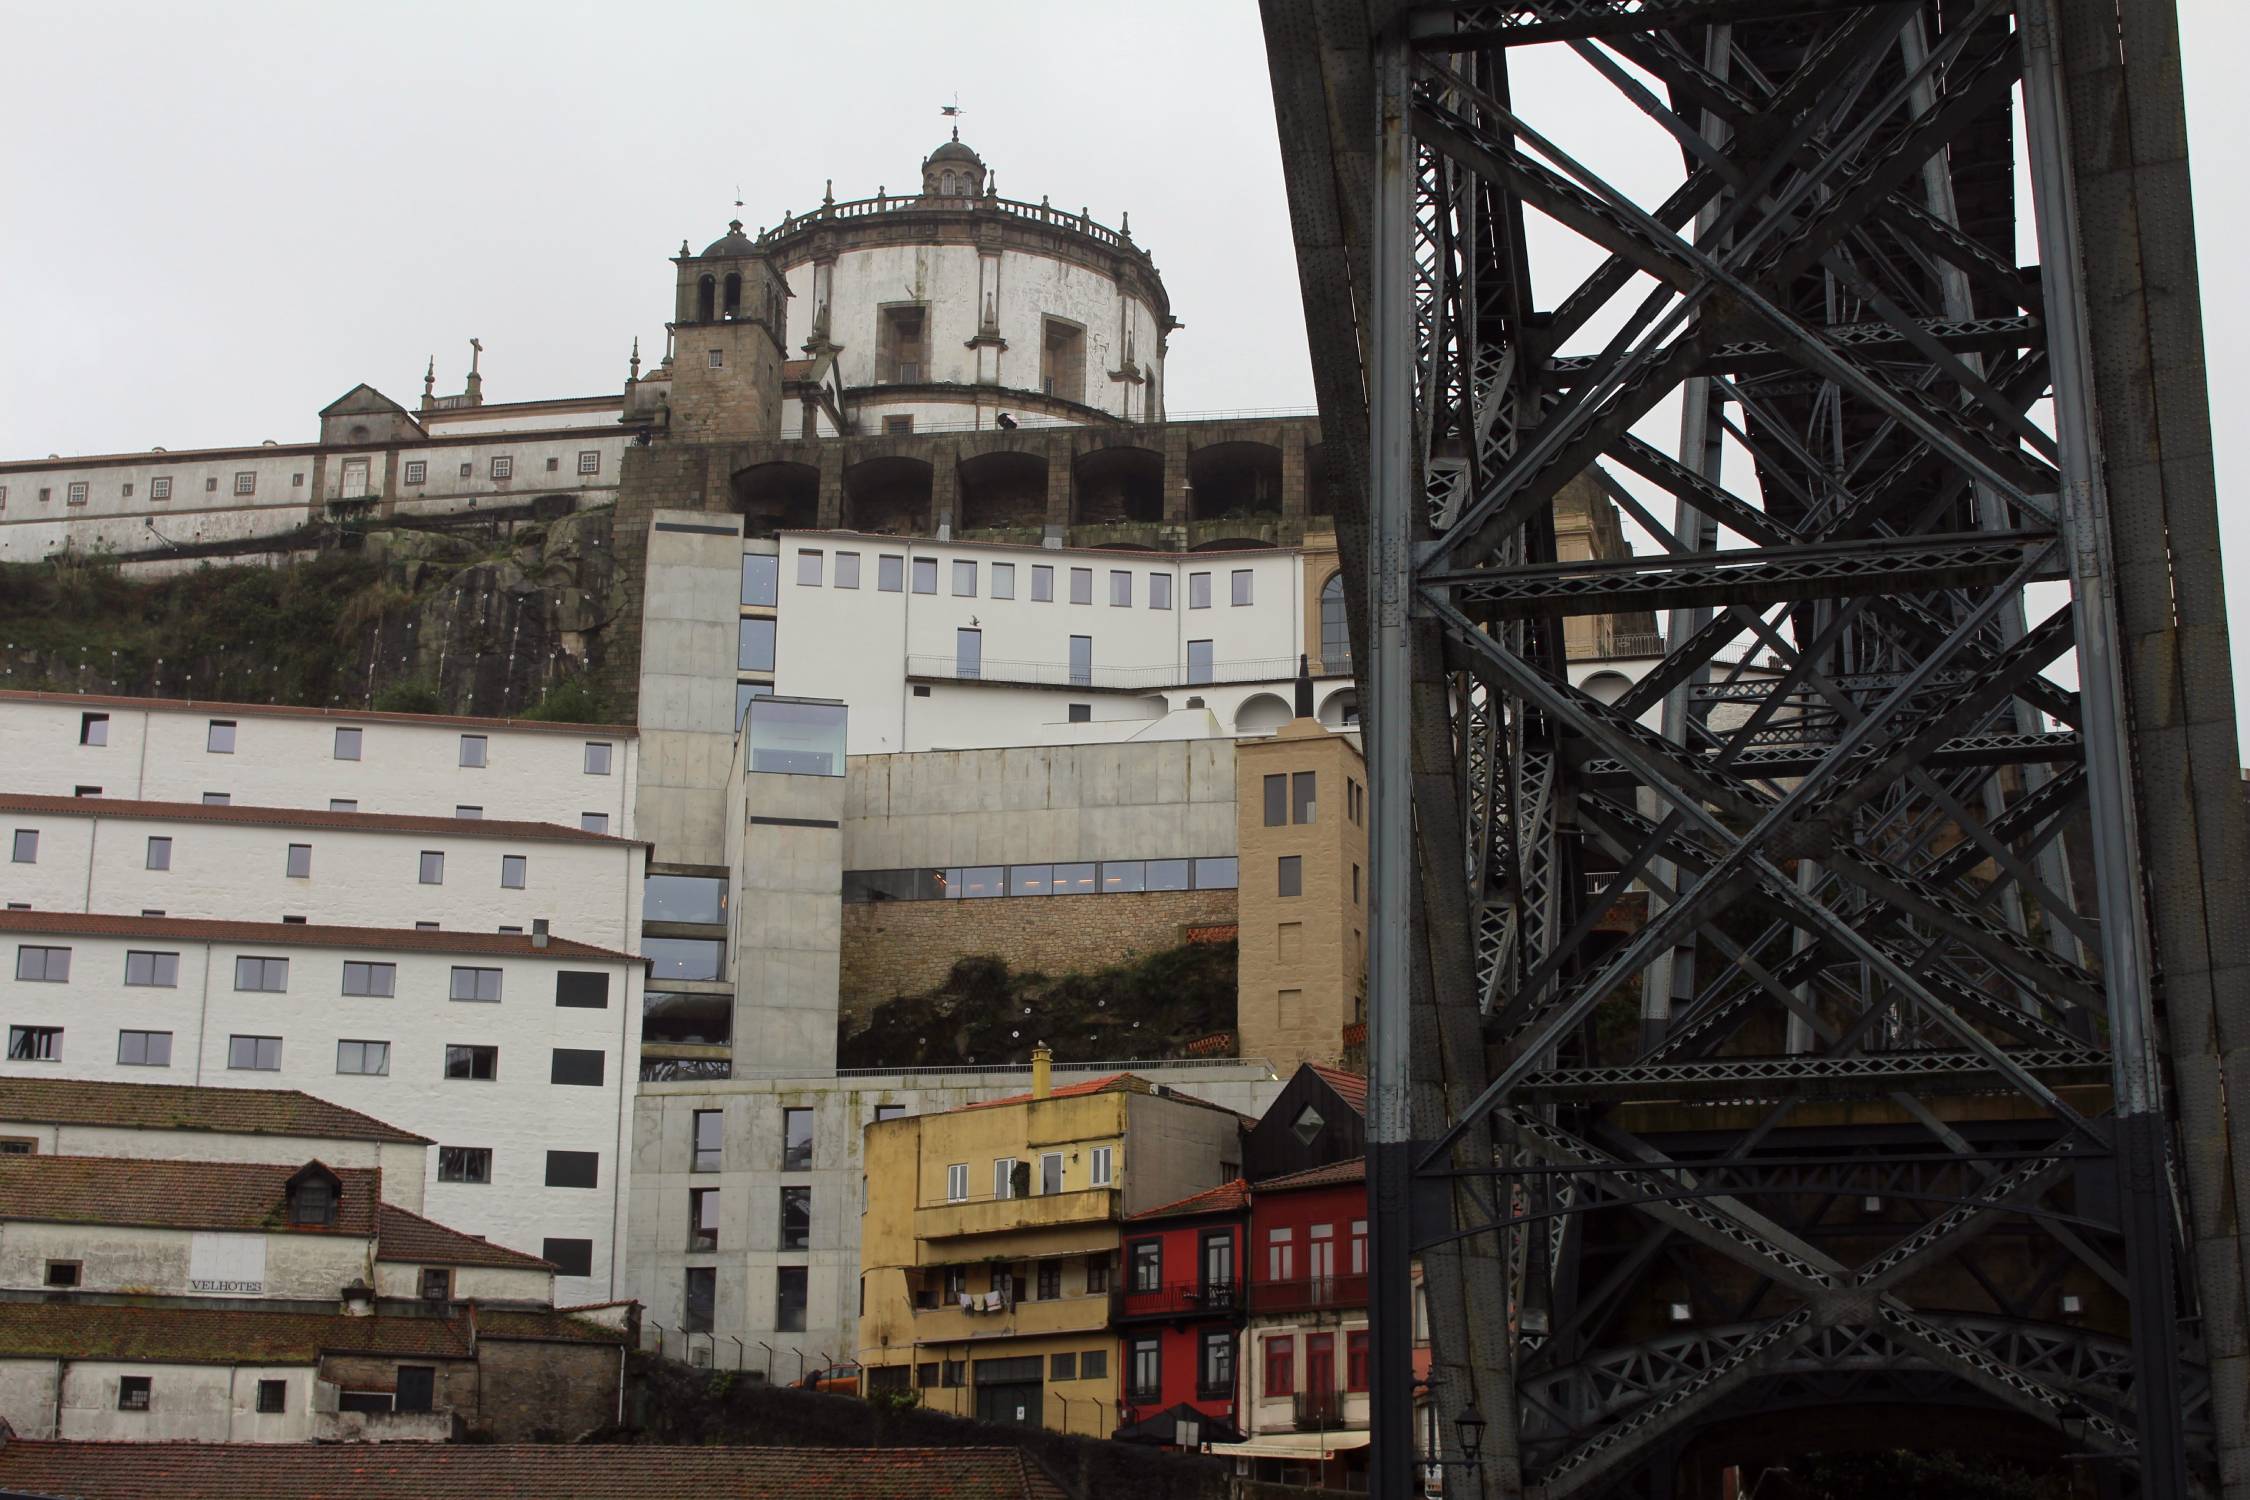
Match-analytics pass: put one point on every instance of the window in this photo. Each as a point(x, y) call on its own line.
point(754, 647)
point(809, 563)
point(144, 1049)
point(155, 970)
point(1074, 880)
point(300, 862)
point(370, 979)
point(1199, 591)
point(1062, 1367)
point(1358, 798)
point(1335, 627)
point(1081, 661)
point(93, 729)
point(513, 869)
point(964, 579)
point(582, 989)
point(847, 570)
point(372, 1059)
point(433, 867)
point(889, 1112)
point(65, 1273)
point(437, 1284)
point(796, 1140)
point(796, 1218)
point(343, 804)
point(1120, 589)
point(710, 1130)
point(1144, 1371)
point(761, 578)
point(968, 654)
point(715, 359)
point(1301, 802)
point(957, 1182)
point(76, 493)
point(43, 965)
point(473, 748)
point(273, 1397)
point(503, 466)
point(1277, 801)
point(254, 1054)
point(571, 1257)
point(261, 975)
point(1159, 591)
point(1281, 1365)
point(593, 822)
point(590, 461)
point(703, 1219)
point(417, 471)
point(1093, 1364)
point(1003, 580)
point(1355, 885)
point(1144, 1264)
point(901, 345)
point(1214, 1366)
point(1097, 1274)
point(474, 1063)
point(1355, 1360)
point(1124, 876)
point(789, 1285)
point(218, 739)
point(1081, 585)
point(925, 575)
point(475, 984)
point(246, 483)
point(573, 1169)
point(1042, 583)
point(898, 426)
point(1062, 360)
point(1281, 1254)
point(1102, 1171)
point(1290, 875)
point(468, 811)
point(1004, 1177)
point(1050, 1173)
point(890, 570)
point(133, 1391)
point(1081, 713)
point(217, 799)
point(598, 754)
point(464, 1164)
point(27, 846)
point(35, 1044)
point(417, 1387)
point(1050, 1280)
point(577, 1066)
point(159, 488)
point(1241, 586)
point(1199, 663)
point(86, 791)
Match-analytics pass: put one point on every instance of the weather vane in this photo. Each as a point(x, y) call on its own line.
point(953, 112)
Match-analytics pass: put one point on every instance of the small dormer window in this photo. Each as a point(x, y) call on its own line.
point(312, 1200)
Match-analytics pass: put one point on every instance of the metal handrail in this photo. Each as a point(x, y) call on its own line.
point(889, 203)
point(1124, 1065)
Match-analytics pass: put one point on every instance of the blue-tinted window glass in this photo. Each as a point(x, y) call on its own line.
point(683, 898)
point(1215, 874)
point(756, 652)
point(761, 575)
point(1167, 874)
point(672, 960)
point(1075, 880)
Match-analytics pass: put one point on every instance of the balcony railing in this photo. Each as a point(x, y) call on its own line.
point(1063, 674)
point(1318, 1411)
point(1181, 1299)
point(890, 203)
point(1308, 1294)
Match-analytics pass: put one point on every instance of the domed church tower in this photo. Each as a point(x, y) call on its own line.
point(945, 308)
point(727, 325)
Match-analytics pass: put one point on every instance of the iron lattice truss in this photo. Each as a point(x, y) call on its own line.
point(1873, 1080)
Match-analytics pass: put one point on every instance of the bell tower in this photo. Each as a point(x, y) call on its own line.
point(727, 327)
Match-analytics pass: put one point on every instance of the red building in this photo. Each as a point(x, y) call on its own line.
point(1178, 1313)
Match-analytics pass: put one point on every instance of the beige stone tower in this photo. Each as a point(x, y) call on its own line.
point(727, 327)
point(1301, 834)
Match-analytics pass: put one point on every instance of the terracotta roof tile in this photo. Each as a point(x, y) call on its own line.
point(404, 1237)
point(175, 1194)
point(1113, 1083)
point(172, 1106)
point(1335, 1174)
point(1227, 1197)
point(512, 1325)
point(291, 711)
point(515, 1471)
point(306, 817)
point(1350, 1087)
point(86, 1330)
point(299, 935)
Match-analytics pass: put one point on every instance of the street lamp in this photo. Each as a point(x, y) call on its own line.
point(1469, 1428)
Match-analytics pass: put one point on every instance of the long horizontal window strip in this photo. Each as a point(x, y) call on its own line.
point(1082, 878)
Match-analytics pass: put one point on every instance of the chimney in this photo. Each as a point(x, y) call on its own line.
point(538, 932)
point(1304, 687)
point(1042, 1072)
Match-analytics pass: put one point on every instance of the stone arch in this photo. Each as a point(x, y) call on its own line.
point(1606, 687)
point(732, 304)
point(1006, 488)
point(1335, 627)
point(1238, 479)
point(777, 496)
point(890, 495)
point(1233, 544)
point(706, 299)
point(1340, 709)
point(1121, 484)
point(1261, 713)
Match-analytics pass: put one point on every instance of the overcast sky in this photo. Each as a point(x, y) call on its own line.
point(221, 217)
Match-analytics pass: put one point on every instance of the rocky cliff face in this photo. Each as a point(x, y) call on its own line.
point(473, 620)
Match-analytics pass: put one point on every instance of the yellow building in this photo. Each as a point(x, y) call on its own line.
point(989, 1236)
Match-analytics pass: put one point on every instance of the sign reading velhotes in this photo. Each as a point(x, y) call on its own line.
point(227, 1264)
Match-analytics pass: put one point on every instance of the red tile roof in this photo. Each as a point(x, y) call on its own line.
point(172, 1106)
point(1227, 1197)
point(306, 817)
point(245, 1196)
point(1350, 1087)
point(1113, 1083)
point(512, 1325)
point(515, 1471)
point(291, 711)
point(181, 1335)
point(1335, 1174)
point(299, 935)
point(407, 1238)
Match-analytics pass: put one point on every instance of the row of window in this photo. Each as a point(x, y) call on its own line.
point(572, 1066)
point(515, 869)
point(761, 580)
point(255, 974)
point(1294, 798)
point(700, 1296)
point(1214, 1366)
point(503, 466)
point(953, 1374)
point(1083, 878)
point(1012, 1178)
point(968, 662)
point(795, 1219)
point(1144, 1259)
point(475, 749)
point(709, 1141)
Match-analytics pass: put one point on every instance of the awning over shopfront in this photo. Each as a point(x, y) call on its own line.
point(1297, 1445)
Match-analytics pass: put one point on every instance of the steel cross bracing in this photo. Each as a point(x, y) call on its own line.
point(1763, 999)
